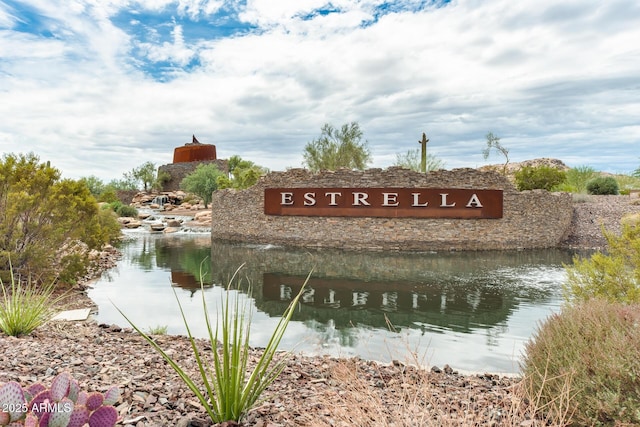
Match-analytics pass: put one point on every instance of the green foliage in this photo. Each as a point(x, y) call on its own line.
point(578, 177)
point(603, 185)
point(25, 306)
point(109, 195)
point(494, 142)
point(242, 174)
point(539, 177)
point(412, 160)
point(126, 210)
point(628, 182)
point(94, 184)
point(125, 184)
point(42, 217)
point(203, 181)
point(589, 352)
point(158, 330)
point(162, 178)
point(144, 174)
point(636, 173)
point(61, 405)
point(109, 226)
point(338, 148)
point(231, 386)
point(613, 276)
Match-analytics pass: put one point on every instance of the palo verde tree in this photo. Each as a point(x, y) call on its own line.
point(494, 142)
point(412, 160)
point(48, 225)
point(203, 181)
point(145, 174)
point(242, 174)
point(338, 148)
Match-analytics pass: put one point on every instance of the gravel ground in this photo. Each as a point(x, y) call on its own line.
point(312, 391)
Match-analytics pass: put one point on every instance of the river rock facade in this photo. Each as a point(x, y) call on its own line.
point(531, 219)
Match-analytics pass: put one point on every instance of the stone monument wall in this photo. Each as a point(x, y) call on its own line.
point(531, 219)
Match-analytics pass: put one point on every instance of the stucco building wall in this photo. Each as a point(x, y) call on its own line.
point(531, 219)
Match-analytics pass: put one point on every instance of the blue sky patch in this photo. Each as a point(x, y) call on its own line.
point(29, 20)
point(147, 28)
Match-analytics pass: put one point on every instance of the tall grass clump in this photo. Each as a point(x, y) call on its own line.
point(230, 387)
point(578, 177)
point(591, 352)
point(25, 305)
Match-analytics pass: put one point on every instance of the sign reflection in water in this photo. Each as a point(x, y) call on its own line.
point(472, 310)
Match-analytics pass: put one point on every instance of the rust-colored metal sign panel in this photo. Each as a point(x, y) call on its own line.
point(384, 202)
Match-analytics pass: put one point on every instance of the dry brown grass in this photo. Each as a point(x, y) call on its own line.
point(404, 395)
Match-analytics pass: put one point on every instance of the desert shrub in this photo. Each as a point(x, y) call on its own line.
point(539, 177)
point(566, 187)
point(115, 205)
point(108, 195)
point(578, 177)
point(614, 275)
point(603, 185)
point(126, 210)
point(109, 225)
point(591, 351)
point(42, 217)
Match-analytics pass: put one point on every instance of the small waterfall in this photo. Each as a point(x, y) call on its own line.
point(160, 200)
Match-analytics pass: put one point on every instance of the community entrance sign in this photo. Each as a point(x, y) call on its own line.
point(384, 202)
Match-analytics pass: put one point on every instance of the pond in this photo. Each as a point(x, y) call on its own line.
point(471, 310)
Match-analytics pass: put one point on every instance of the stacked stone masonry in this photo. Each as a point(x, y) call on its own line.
point(531, 219)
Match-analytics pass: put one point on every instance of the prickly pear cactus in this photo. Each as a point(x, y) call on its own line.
point(12, 401)
point(94, 401)
point(61, 405)
point(111, 396)
point(104, 416)
point(60, 386)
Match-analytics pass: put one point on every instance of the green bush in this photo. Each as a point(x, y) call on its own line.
point(539, 177)
point(603, 185)
point(126, 210)
point(109, 225)
point(108, 195)
point(614, 275)
point(588, 356)
point(43, 218)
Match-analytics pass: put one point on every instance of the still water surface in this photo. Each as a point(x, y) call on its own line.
point(471, 310)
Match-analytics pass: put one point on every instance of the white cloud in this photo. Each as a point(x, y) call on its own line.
point(550, 80)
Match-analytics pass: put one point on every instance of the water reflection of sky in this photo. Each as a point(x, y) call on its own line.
point(471, 311)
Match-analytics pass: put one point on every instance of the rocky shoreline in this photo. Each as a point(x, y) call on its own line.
point(312, 391)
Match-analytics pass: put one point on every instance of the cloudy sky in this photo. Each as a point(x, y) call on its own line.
point(99, 87)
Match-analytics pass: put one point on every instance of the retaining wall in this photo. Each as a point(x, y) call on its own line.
point(531, 219)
